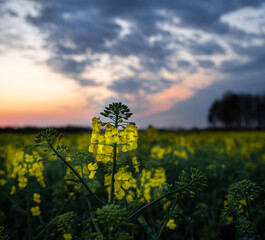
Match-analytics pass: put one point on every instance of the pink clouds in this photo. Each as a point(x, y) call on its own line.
point(164, 100)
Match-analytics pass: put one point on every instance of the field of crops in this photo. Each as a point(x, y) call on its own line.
point(165, 185)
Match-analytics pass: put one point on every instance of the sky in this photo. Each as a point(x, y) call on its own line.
point(63, 61)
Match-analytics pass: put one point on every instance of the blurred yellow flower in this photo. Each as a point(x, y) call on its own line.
point(35, 211)
point(36, 197)
point(171, 224)
point(93, 169)
point(67, 236)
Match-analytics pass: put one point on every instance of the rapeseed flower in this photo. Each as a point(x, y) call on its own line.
point(67, 236)
point(36, 197)
point(35, 211)
point(123, 181)
point(171, 224)
point(93, 169)
point(136, 164)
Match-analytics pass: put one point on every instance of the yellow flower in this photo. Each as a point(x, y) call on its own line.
point(35, 211)
point(129, 196)
point(171, 224)
point(123, 180)
point(93, 169)
point(2, 182)
point(67, 236)
point(22, 182)
point(13, 190)
point(36, 197)
point(126, 148)
point(157, 152)
point(135, 164)
point(29, 158)
point(111, 134)
point(181, 153)
point(167, 203)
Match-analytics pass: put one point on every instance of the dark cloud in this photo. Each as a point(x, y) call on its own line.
point(136, 44)
point(249, 51)
point(87, 30)
point(11, 13)
point(86, 81)
point(206, 63)
point(256, 56)
point(87, 26)
point(184, 64)
point(67, 65)
point(75, 27)
point(208, 48)
point(135, 85)
point(72, 69)
point(236, 67)
point(91, 25)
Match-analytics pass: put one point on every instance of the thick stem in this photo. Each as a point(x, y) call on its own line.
point(76, 174)
point(114, 162)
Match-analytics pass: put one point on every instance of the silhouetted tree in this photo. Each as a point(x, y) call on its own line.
point(214, 113)
point(238, 110)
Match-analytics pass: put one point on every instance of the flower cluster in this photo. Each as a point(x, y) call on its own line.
point(36, 210)
point(26, 166)
point(123, 181)
point(148, 182)
point(102, 144)
point(158, 152)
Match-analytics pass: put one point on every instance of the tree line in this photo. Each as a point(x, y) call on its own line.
point(238, 111)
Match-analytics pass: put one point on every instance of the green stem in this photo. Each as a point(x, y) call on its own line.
point(29, 214)
point(76, 174)
point(114, 162)
point(51, 220)
point(14, 203)
point(113, 171)
point(110, 232)
point(248, 209)
point(92, 215)
point(155, 201)
point(165, 222)
point(125, 198)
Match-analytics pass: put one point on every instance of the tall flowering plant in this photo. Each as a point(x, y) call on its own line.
point(119, 136)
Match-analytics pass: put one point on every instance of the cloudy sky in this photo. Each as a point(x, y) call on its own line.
point(62, 61)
